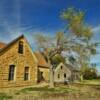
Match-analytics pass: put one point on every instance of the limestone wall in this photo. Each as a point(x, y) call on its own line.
point(11, 56)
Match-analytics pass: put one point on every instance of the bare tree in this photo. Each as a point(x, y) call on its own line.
point(79, 40)
point(50, 47)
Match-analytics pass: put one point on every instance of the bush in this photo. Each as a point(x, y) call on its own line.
point(90, 73)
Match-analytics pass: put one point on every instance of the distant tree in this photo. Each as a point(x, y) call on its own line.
point(90, 73)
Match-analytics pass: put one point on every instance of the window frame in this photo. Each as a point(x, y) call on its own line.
point(61, 67)
point(21, 47)
point(26, 74)
point(64, 75)
point(11, 75)
point(58, 76)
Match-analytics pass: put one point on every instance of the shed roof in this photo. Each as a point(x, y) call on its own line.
point(41, 59)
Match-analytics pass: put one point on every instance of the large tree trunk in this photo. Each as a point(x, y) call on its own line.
point(51, 77)
point(51, 84)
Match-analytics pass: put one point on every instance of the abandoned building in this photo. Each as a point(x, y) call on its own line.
point(65, 73)
point(18, 64)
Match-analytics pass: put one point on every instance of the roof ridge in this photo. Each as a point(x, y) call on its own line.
point(41, 58)
point(10, 43)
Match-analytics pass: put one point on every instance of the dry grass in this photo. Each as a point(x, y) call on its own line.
point(67, 92)
point(90, 82)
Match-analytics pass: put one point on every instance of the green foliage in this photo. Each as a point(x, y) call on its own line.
point(4, 96)
point(46, 89)
point(90, 73)
point(58, 59)
point(75, 20)
point(38, 89)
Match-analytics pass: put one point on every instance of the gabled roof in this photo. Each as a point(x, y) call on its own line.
point(59, 65)
point(41, 59)
point(70, 67)
point(12, 42)
point(2, 45)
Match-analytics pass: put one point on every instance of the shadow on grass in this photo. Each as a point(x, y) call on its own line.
point(4, 96)
point(40, 89)
point(46, 90)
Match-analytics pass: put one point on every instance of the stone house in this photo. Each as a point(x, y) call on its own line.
point(18, 64)
point(43, 67)
point(65, 73)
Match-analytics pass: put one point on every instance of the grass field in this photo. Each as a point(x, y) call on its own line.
point(61, 92)
point(91, 82)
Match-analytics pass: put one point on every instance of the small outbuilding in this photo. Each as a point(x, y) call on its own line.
point(43, 67)
point(64, 73)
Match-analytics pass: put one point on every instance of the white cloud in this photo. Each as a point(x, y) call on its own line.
point(96, 29)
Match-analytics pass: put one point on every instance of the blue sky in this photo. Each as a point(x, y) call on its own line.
point(33, 16)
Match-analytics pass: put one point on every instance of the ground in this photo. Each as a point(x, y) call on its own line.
point(76, 91)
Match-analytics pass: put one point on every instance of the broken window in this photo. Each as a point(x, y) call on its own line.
point(64, 75)
point(61, 67)
point(58, 75)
